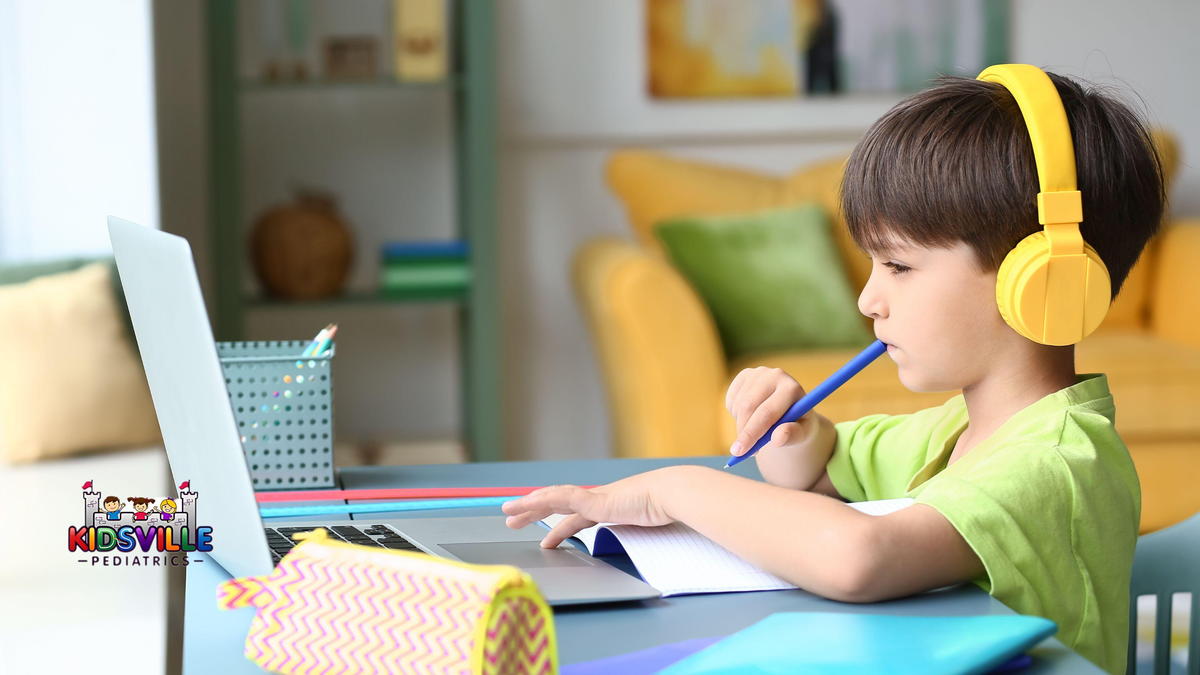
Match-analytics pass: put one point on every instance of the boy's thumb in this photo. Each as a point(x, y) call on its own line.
point(784, 433)
point(791, 433)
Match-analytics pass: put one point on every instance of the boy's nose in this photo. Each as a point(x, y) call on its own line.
point(870, 302)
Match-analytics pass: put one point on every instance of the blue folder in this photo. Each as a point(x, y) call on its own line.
point(826, 642)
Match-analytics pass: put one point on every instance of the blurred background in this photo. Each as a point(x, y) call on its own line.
point(473, 192)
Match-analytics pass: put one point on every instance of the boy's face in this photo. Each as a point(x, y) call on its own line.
point(939, 316)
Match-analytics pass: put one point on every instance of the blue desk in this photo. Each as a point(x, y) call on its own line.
point(213, 639)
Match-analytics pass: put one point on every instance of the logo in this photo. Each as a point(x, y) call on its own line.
point(152, 533)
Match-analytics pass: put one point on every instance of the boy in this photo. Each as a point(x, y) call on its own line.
point(112, 507)
point(1021, 484)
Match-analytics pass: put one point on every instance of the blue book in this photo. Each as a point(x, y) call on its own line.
point(830, 642)
point(416, 250)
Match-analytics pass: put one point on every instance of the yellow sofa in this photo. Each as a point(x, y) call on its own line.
point(665, 371)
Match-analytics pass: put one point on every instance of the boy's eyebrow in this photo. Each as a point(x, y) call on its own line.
point(887, 249)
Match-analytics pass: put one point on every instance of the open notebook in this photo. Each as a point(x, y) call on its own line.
point(676, 560)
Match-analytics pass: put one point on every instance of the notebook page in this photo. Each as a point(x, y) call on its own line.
point(881, 507)
point(676, 560)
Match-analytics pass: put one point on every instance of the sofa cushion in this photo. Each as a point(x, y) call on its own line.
point(772, 279)
point(654, 187)
point(78, 385)
point(1176, 284)
point(20, 272)
point(820, 182)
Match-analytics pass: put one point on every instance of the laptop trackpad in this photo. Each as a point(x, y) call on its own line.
point(526, 554)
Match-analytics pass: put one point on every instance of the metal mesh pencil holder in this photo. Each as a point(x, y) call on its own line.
point(283, 404)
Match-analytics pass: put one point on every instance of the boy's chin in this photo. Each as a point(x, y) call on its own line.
point(922, 385)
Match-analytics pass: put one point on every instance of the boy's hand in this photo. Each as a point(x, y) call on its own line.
point(629, 501)
point(758, 397)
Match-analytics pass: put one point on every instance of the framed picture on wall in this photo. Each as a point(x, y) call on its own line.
point(789, 48)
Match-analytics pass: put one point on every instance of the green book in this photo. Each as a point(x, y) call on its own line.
point(424, 275)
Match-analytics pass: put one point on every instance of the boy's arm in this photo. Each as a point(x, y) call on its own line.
point(802, 466)
point(799, 464)
point(810, 539)
point(819, 543)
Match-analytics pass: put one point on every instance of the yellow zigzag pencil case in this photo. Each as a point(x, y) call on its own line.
point(330, 606)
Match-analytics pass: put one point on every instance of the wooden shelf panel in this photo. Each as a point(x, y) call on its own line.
point(319, 84)
point(365, 297)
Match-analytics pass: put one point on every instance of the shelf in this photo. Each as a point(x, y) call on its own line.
point(255, 85)
point(471, 89)
point(378, 297)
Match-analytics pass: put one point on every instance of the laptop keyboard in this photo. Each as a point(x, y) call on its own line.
point(279, 539)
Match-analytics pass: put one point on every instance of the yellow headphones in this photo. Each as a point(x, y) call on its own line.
point(1052, 288)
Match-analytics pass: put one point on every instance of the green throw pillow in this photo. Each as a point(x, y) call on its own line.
point(772, 279)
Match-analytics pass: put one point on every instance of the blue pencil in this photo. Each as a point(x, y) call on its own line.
point(812, 398)
point(380, 507)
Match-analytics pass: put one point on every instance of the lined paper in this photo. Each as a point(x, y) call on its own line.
point(677, 560)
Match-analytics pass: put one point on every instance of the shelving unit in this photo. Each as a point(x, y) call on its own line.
point(471, 83)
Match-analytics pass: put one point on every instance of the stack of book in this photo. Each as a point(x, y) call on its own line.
point(425, 269)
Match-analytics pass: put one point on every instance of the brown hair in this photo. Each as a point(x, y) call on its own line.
point(954, 163)
point(111, 498)
point(138, 501)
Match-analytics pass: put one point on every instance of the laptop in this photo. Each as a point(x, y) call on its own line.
point(200, 434)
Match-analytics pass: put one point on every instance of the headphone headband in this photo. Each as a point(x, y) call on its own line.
point(1059, 200)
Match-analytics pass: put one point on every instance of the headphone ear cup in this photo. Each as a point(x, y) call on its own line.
point(1022, 298)
point(1012, 278)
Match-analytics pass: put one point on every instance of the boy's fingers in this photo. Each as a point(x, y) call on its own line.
point(567, 528)
point(754, 395)
point(527, 509)
point(762, 419)
point(531, 515)
point(540, 503)
point(735, 387)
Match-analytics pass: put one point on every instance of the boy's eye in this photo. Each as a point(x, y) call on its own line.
point(896, 268)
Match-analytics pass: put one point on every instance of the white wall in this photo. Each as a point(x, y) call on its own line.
point(571, 91)
point(76, 125)
point(1150, 48)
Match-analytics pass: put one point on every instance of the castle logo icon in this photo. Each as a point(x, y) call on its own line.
point(151, 526)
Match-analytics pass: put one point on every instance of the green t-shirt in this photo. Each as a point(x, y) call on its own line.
point(1050, 503)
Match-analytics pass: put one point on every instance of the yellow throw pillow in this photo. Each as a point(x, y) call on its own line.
point(72, 381)
point(654, 187)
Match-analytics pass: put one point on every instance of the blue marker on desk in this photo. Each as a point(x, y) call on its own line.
point(812, 398)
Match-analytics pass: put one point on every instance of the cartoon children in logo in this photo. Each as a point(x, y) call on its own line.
point(140, 505)
point(166, 509)
point(112, 507)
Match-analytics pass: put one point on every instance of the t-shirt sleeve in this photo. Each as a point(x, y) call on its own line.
point(1014, 508)
point(874, 457)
